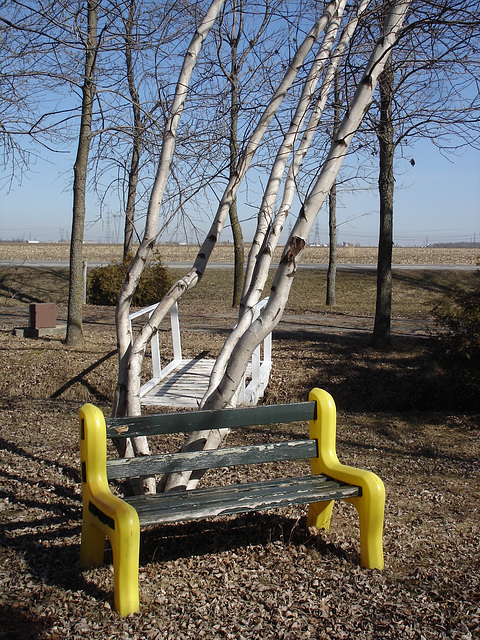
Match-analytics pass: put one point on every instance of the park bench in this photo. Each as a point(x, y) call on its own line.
point(107, 515)
point(182, 382)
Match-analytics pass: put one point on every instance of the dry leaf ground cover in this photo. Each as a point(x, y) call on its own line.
point(260, 576)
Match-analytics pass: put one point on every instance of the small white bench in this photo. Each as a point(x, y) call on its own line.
point(183, 382)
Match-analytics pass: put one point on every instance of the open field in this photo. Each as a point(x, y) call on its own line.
point(263, 576)
point(415, 293)
point(224, 253)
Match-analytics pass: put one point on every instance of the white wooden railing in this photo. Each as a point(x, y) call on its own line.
point(254, 381)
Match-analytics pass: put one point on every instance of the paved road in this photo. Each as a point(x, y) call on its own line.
point(57, 264)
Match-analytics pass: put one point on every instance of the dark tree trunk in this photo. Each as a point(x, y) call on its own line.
point(239, 256)
point(75, 293)
point(332, 254)
point(131, 201)
point(332, 210)
point(137, 137)
point(386, 183)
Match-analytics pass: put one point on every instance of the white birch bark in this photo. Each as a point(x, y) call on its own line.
point(272, 312)
point(263, 260)
point(124, 401)
point(127, 399)
point(133, 353)
point(286, 148)
point(268, 232)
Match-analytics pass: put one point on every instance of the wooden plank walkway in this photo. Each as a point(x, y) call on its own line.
point(185, 386)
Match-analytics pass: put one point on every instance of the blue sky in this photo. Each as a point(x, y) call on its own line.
point(436, 200)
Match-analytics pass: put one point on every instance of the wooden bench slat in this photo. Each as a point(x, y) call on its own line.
point(179, 506)
point(166, 423)
point(211, 459)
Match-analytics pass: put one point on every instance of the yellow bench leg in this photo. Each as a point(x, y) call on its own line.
point(370, 515)
point(320, 514)
point(107, 515)
point(125, 563)
point(92, 546)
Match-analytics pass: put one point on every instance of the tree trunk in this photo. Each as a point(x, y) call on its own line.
point(386, 182)
point(127, 400)
point(332, 254)
point(271, 314)
point(233, 211)
point(130, 353)
point(137, 136)
point(261, 249)
point(332, 209)
point(75, 292)
point(269, 227)
point(131, 200)
point(239, 254)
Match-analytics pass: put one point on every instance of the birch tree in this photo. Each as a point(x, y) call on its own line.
point(229, 373)
point(238, 44)
point(131, 352)
point(126, 347)
point(272, 312)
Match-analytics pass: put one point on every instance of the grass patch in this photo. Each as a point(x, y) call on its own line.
point(415, 293)
point(23, 285)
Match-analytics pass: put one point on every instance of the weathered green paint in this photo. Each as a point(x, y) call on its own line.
point(211, 459)
point(203, 420)
point(178, 506)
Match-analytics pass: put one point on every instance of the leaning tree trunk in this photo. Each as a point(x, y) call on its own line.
point(75, 291)
point(270, 316)
point(131, 352)
point(261, 249)
point(269, 230)
point(381, 333)
point(127, 395)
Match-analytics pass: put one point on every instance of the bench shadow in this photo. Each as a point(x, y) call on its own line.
point(185, 540)
point(56, 563)
point(44, 532)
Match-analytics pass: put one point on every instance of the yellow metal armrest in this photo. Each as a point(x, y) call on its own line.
point(370, 505)
point(106, 515)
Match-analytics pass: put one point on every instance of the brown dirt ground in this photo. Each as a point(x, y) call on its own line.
point(263, 576)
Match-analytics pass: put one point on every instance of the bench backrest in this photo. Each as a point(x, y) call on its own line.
point(169, 423)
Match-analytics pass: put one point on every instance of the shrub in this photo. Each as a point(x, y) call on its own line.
point(458, 317)
point(104, 283)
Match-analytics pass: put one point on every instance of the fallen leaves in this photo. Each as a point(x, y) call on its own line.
point(263, 576)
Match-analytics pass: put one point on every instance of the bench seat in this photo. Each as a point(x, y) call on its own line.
point(180, 506)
